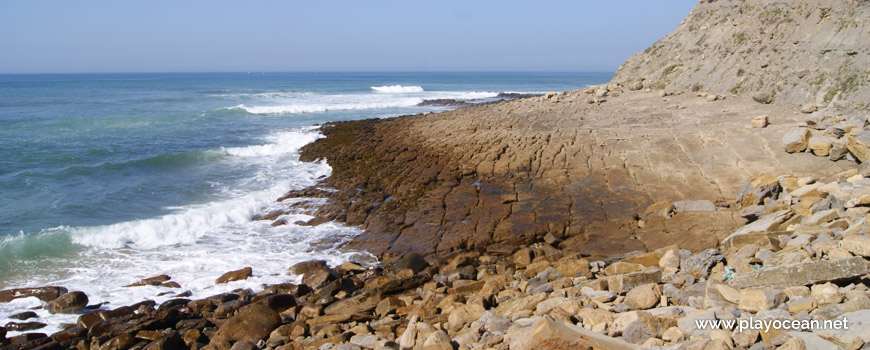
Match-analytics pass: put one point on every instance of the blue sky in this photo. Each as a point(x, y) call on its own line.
point(265, 35)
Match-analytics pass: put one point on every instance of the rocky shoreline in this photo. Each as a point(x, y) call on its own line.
point(803, 256)
point(731, 187)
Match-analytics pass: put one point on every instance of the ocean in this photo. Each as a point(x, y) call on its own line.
point(106, 179)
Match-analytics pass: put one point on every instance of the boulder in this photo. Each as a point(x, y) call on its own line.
point(796, 140)
point(237, 275)
point(303, 267)
point(859, 145)
point(644, 296)
point(318, 277)
point(756, 189)
point(802, 273)
point(763, 97)
point(856, 244)
point(820, 145)
point(412, 261)
point(67, 303)
point(253, 323)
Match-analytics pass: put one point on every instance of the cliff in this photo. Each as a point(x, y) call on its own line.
point(799, 52)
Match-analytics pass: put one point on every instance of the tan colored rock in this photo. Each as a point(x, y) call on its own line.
point(722, 335)
point(513, 306)
point(673, 335)
point(463, 316)
point(596, 320)
point(550, 335)
point(796, 140)
point(236, 275)
point(745, 338)
point(754, 300)
point(797, 292)
point(759, 122)
point(644, 296)
point(820, 145)
point(729, 293)
point(801, 304)
point(670, 259)
point(619, 268)
point(573, 266)
point(625, 282)
point(859, 145)
point(794, 343)
point(857, 244)
point(828, 293)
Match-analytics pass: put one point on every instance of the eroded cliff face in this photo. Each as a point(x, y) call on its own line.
point(799, 52)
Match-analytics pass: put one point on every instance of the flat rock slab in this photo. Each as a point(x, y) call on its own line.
point(802, 273)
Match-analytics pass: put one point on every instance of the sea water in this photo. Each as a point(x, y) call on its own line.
point(106, 179)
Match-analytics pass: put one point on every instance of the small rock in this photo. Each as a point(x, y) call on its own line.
point(754, 300)
point(759, 122)
point(808, 108)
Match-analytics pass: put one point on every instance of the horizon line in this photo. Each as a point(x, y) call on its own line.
point(316, 71)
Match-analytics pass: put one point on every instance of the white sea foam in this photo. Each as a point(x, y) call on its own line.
point(325, 103)
point(314, 108)
point(397, 89)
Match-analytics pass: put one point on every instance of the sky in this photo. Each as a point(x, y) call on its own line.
point(39, 36)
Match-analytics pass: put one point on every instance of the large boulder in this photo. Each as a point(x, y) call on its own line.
point(252, 323)
point(69, 302)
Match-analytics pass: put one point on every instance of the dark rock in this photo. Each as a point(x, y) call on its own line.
point(24, 315)
point(24, 326)
point(277, 302)
point(45, 294)
point(305, 266)
point(121, 342)
point(150, 281)
point(170, 285)
point(67, 303)
point(253, 323)
point(69, 333)
point(412, 261)
point(443, 102)
point(172, 341)
point(515, 95)
point(27, 338)
point(317, 277)
point(237, 275)
point(288, 288)
point(244, 345)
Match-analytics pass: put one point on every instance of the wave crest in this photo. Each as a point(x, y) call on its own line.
point(397, 89)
